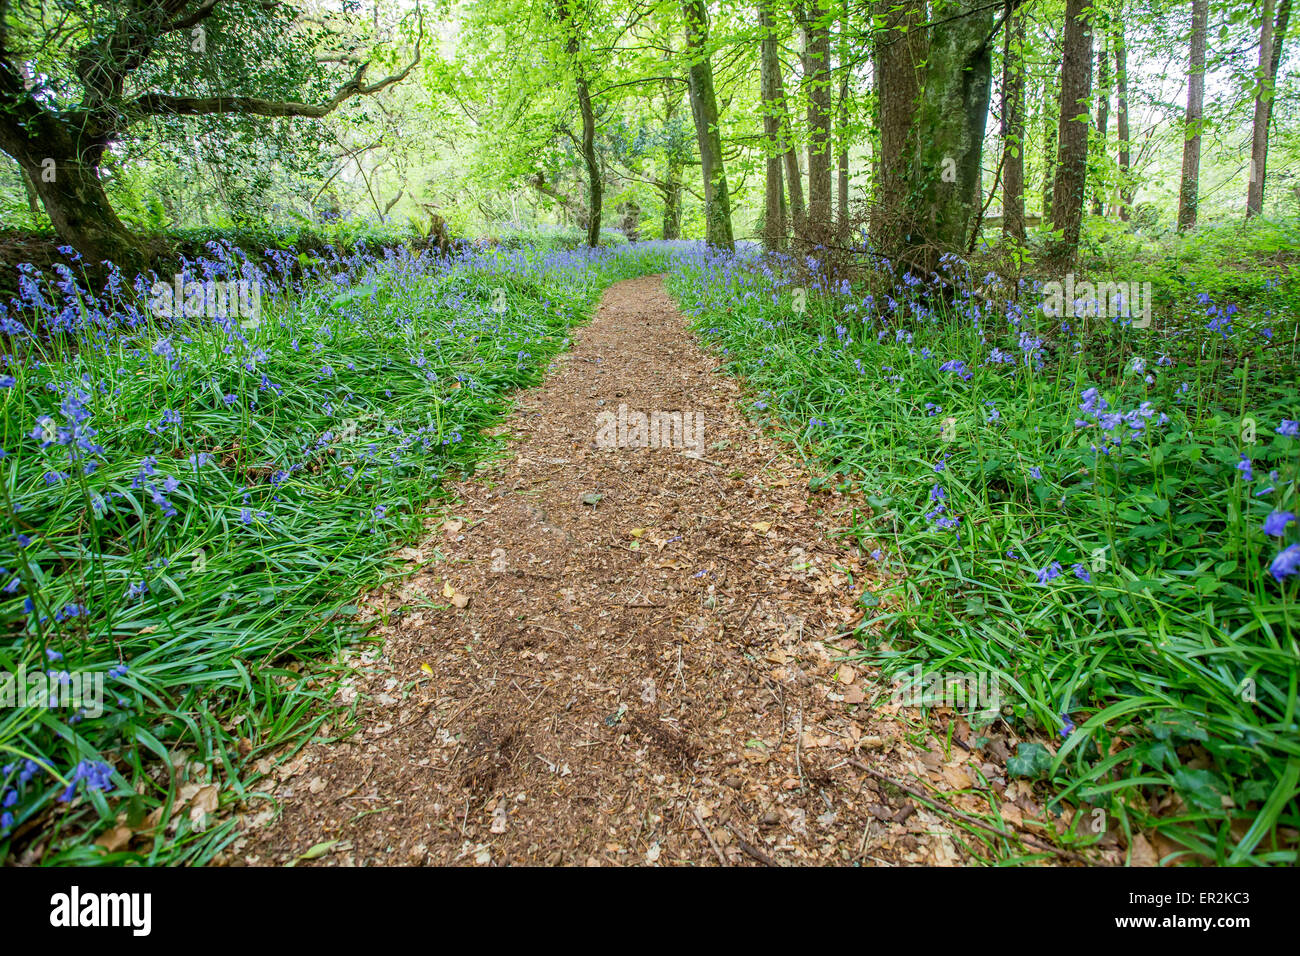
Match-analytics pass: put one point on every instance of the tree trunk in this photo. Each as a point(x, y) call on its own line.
point(769, 79)
point(672, 194)
point(1279, 37)
point(81, 213)
point(1013, 130)
point(1072, 139)
point(1121, 120)
point(793, 175)
point(817, 29)
point(595, 189)
point(63, 166)
point(1263, 110)
point(1187, 195)
point(704, 109)
point(671, 189)
point(1050, 116)
point(1103, 123)
point(573, 47)
point(785, 218)
point(1191, 169)
point(33, 198)
point(842, 156)
point(953, 112)
point(898, 53)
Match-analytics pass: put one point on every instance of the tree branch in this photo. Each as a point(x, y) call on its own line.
point(161, 104)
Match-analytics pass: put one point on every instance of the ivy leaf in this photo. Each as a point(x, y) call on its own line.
point(1201, 787)
point(1172, 726)
point(1031, 760)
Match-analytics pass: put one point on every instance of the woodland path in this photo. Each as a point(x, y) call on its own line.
point(652, 678)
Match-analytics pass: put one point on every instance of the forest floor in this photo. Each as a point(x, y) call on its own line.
point(630, 655)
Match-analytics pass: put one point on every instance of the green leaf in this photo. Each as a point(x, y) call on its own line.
point(1031, 760)
point(315, 852)
point(1201, 787)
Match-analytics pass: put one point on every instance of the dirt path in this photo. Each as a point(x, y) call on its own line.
point(649, 676)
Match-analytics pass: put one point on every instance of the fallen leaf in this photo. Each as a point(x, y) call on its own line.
point(114, 839)
point(206, 798)
point(317, 851)
point(957, 778)
point(762, 527)
point(1143, 853)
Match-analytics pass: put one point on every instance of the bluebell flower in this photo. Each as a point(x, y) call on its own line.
point(97, 776)
point(954, 365)
point(1275, 524)
point(1288, 427)
point(1049, 573)
point(1286, 563)
point(1093, 402)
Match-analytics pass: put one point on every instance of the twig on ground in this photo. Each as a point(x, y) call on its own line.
point(750, 849)
point(722, 860)
point(973, 821)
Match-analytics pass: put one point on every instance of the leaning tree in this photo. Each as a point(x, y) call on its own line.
point(79, 79)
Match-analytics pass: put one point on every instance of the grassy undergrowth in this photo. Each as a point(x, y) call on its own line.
point(1095, 515)
point(192, 506)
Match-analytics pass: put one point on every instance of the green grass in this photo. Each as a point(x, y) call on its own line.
point(246, 485)
point(1156, 672)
